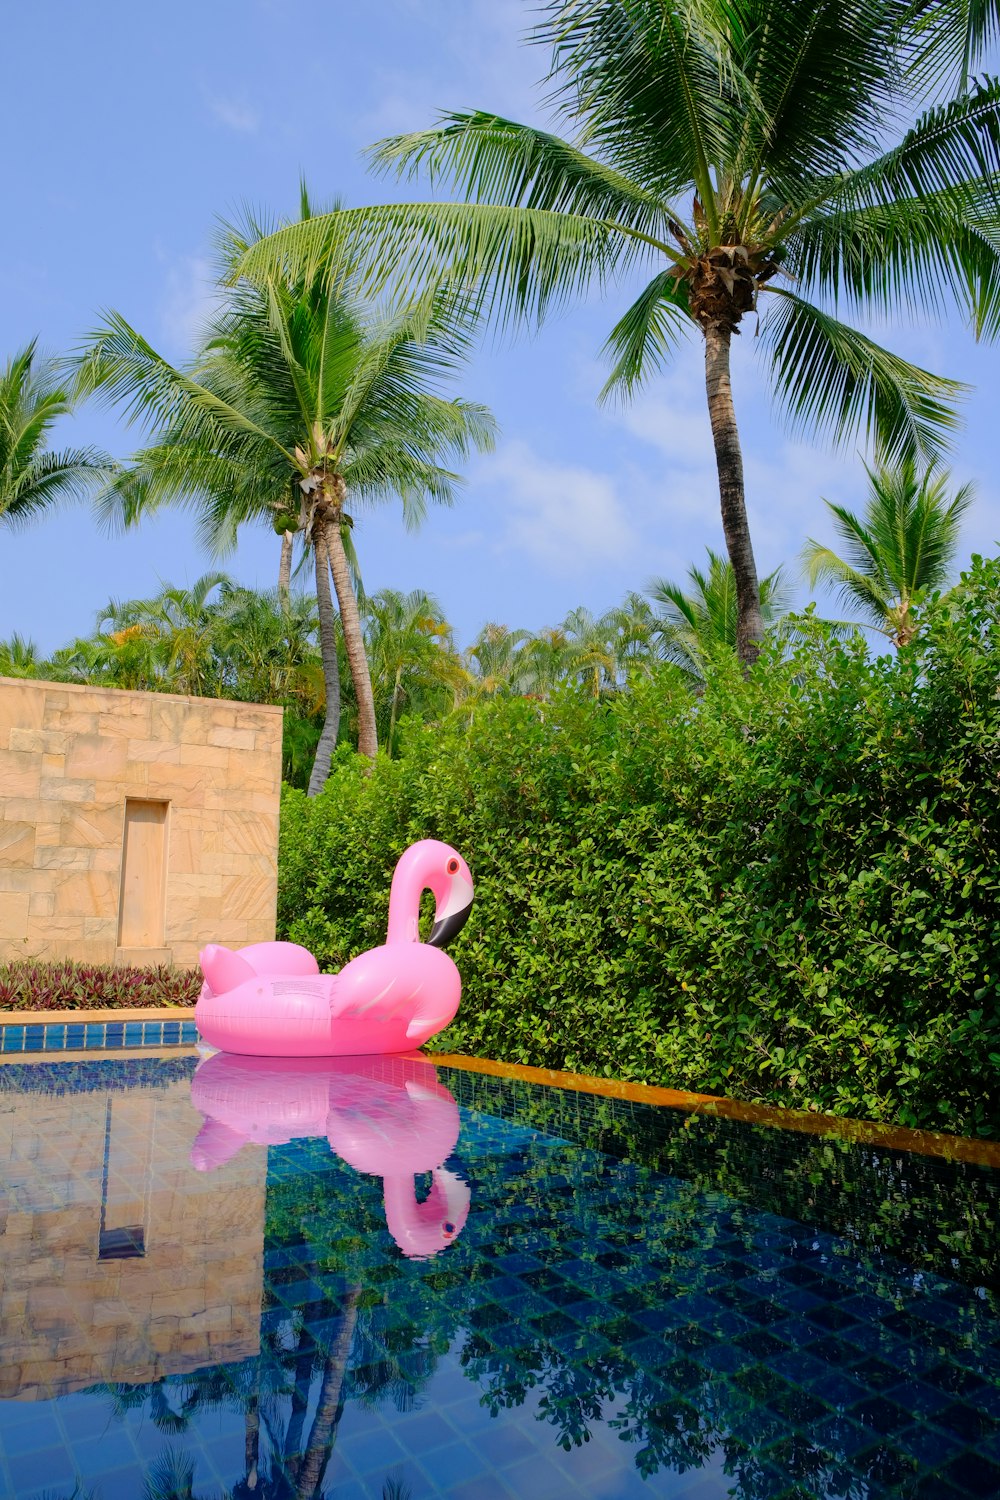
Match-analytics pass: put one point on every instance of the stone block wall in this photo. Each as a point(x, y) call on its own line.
point(73, 760)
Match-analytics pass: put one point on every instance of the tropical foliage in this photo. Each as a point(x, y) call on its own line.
point(300, 400)
point(416, 669)
point(748, 160)
point(898, 552)
point(785, 889)
point(20, 657)
point(693, 625)
point(34, 477)
point(217, 639)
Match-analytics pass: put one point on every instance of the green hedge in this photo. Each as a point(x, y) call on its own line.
point(784, 890)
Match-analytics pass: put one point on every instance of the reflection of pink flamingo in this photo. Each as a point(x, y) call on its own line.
point(269, 1000)
point(385, 1115)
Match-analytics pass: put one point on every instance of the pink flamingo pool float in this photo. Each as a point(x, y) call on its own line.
point(388, 1116)
point(270, 1000)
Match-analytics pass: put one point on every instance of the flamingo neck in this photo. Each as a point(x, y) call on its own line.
point(415, 1226)
point(418, 870)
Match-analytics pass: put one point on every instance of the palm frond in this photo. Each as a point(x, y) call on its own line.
point(654, 86)
point(72, 474)
point(950, 38)
point(834, 380)
point(826, 76)
point(524, 261)
point(948, 146)
point(913, 255)
point(118, 364)
point(823, 564)
point(644, 337)
point(489, 159)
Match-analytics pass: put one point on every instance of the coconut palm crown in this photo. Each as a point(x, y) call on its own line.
point(302, 397)
point(898, 552)
point(745, 159)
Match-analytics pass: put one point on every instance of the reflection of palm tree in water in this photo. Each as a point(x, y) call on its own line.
point(305, 1467)
point(301, 1465)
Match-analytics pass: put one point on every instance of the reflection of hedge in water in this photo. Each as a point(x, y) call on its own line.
point(890, 1205)
point(326, 1234)
point(84, 1075)
point(555, 1203)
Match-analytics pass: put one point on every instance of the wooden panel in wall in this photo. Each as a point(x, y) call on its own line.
point(144, 849)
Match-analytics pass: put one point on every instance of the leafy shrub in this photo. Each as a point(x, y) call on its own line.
point(25, 985)
point(786, 889)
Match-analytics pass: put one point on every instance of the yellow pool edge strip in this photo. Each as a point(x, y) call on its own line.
point(805, 1122)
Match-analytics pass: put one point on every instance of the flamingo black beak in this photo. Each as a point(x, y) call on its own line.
point(453, 916)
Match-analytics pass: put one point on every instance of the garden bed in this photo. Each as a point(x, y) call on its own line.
point(27, 985)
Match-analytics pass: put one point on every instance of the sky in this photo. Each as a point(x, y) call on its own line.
point(134, 128)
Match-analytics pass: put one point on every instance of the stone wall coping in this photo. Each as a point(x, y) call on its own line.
point(96, 1017)
point(86, 687)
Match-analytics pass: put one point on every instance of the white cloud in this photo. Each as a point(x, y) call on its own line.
point(563, 517)
point(235, 116)
point(190, 297)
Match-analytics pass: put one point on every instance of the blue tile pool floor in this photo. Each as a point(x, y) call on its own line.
point(393, 1284)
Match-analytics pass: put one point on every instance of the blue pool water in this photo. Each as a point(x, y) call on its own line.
point(381, 1281)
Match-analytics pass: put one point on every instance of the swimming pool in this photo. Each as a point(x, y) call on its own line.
point(584, 1297)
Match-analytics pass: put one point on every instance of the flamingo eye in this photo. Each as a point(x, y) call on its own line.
point(453, 867)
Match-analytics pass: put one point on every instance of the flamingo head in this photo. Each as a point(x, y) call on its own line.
point(430, 865)
point(452, 912)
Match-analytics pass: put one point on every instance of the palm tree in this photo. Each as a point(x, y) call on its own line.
point(694, 624)
point(412, 655)
point(32, 477)
point(593, 650)
point(545, 659)
point(128, 658)
point(634, 629)
point(301, 397)
point(179, 625)
point(717, 151)
point(499, 662)
point(267, 648)
point(899, 551)
point(19, 657)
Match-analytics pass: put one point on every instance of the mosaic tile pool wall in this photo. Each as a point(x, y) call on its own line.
point(94, 1036)
point(585, 1298)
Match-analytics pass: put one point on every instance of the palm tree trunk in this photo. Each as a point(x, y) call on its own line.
point(350, 619)
point(393, 706)
point(251, 1441)
point(331, 668)
point(328, 1406)
point(285, 569)
point(729, 462)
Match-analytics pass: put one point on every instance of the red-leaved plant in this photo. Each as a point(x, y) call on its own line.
point(26, 985)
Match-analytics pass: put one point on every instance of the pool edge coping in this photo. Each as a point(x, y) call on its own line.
point(963, 1148)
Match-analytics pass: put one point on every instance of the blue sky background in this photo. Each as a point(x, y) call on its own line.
point(131, 128)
